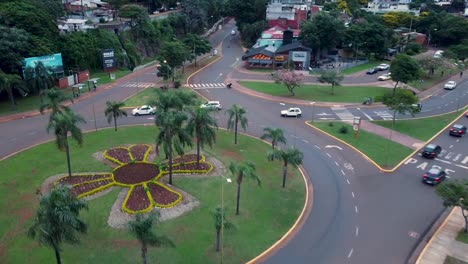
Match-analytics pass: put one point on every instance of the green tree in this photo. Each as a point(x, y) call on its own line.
point(10, 83)
point(252, 32)
point(241, 170)
point(114, 111)
point(202, 125)
point(404, 69)
point(39, 79)
point(172, 135)
point(142, 229)
point(400, 101)
point(332, 77)
point(62, 123)
point(172, 100)
point(275, 134)
point(57, 219)
point(455, 193)
point(53, 101)
point(174, 53)
point(14, 45)
point(291, 156)
point(236, 114)
point(221, 222)
point(460, 51)
point(198, 46)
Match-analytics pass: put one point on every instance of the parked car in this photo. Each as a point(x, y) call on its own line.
point(417, 106)
point(295, 112)
point(438, 54)
point(372, 71)
point(385, 77)
point(434, 176)
point(144, 110)
point(457, 130)
point(212, 105)
point(450, 85)
point(431, 151)
point(383, 67)
point(233, 32)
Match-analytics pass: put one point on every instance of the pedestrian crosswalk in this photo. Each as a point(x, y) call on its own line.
point(384, 115)
point(343, 113)
point(207, 85)
point(139, 84)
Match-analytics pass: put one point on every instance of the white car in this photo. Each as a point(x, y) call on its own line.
point(144, 110)
point(233, 32)
point(385, 77)
point(295, 112)
point(450, 85)
point(383, 67)
point(212, 105)
point(438, 54)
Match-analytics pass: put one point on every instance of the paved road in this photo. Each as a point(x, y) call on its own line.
point(359, 215)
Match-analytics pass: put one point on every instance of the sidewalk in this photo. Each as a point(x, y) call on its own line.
point(443, 243)
point(391, 134)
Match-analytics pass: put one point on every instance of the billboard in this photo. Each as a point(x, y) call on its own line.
point(108, 59)
point(299, 56)
point(52, 62)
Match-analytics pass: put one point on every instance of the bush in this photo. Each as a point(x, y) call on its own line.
point(413, 48)
point(177, 84)
point(343, 130)
point(102, 20)
point(330, 124)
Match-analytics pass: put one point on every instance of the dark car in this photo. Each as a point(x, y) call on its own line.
point(372, 71)
point(434, 176)
point(457, 130)
point(431, 151)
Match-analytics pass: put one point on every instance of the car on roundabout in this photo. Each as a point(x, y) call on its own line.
point(450, 85)
point(431, 151)
point(212, 105)
point(291, 112)
point(144, 110)
point(434, 176)
point(385, 77)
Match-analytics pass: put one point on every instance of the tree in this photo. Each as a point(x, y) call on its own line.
point(57, 219)
point(275, 134)
point(10, 83)
point(14, 44)
point(236, 114)
point(332, 77)
point(172, 135)
point(198, 46)
point(39, 79)
point(221, 222)
point(291, 156)
point(241, 170)
point(53, 100)
point(64, 122)
point(400, 101)
point(404, 69)
point(460, 51)
point(174, 53)
point(172, 100)
point(290, 79)
point(114, 111)
point(455, 193)
point(142, 229)
point(202, 124)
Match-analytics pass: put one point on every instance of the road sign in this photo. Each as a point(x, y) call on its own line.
point(356, 127)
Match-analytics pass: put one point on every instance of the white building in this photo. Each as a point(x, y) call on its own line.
point(70, 25)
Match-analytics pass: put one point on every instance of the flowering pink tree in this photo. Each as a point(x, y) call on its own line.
point(290, 79)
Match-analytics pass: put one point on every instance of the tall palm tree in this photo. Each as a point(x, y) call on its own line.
point(62, 123)
point(276, 136)
point(113, 111)
point(241, 170)
point(141, 228)
point(172, 135)
point(9, 83)
point(57, 219)
point(53, 101)
point(39, 79)
point(172, 99)
point(221, 222)
point(202, 124)
point(236, 114)
point(291, 156)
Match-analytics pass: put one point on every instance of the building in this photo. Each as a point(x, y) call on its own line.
point(287, 13)
point(71, 24)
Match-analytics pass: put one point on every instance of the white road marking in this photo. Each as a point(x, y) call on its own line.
point(348, 181)
point(355, 209)
point(317, 146)
point(336, 163)
point(451, 146)
point(333, 146)
point(449, 155)
point(13, 139)
point(342, 172)
point(32, 133)
point(461, 166)
point(348, 166)
point(457, 157)
point(305, 141)
point(327, 118)
point(465, 160)
point(324, 114)
point(352, 193)
point(329, 155)
point(357, 231)
point(282, 104)
point(444, 161)
point(350, 253)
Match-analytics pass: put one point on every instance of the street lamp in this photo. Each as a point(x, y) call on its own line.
point(228, 180)
point(170, 68)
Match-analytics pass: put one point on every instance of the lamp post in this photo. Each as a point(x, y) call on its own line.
point(228, 180)
point(170, 68)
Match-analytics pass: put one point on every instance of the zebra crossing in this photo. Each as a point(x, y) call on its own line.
point(384, 115)
point(207, 85)
point(138, 84)
point(343, 113)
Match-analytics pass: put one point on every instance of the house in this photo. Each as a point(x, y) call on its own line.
point(71, 24)
point(274, 36)
point(287, 13)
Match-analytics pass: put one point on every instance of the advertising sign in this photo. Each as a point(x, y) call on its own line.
point(52, 62)
point(108, 59)
point(299, 56)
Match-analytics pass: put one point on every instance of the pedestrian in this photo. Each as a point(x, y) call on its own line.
point(442, 73)
point(461, 74)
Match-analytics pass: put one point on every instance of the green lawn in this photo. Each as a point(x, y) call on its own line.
point(319, 93)
point(431, 125)
point(382, 151)
point(141, 98)
point(431, 80)
point(105, 78)
point(266, 212)
point(452, 260)
point(362, 67)
point(462, 236)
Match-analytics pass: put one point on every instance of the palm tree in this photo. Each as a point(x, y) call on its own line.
point(276, 136)
point(241, 170)
point(113, 111)
point(236, 114)
point(173, 99)
point(141, 228)
point(62, 123)
point(172, 135)
point(221, 222)
point(291, 156)
point(9, 83)
point(54, 98)
point(57, 219)
point(202, 124)
point(39, 79)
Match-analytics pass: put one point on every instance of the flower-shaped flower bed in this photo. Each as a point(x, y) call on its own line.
point(141, 177)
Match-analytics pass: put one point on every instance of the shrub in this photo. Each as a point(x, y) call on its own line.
point(330, 124)
point(177, 84)
point(343, 130)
